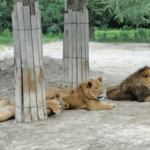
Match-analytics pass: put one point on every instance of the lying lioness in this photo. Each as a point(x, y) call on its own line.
point(55, 105)
point(62, 91)
point(88, 94)
point(7, 110)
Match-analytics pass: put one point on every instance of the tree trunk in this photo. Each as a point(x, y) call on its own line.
point(76, 5)
point(91, 28)
point(28, 3)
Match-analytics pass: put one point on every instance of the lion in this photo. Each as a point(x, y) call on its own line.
point(135, 87)
point(54, 105)
point(7, 109)
point(62, 91)
point(88, 94)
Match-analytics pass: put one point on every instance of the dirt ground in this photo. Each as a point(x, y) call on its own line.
point(124, 128)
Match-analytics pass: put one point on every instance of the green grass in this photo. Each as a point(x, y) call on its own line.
point(138, 35)
point(51, 37)
point(6, 38)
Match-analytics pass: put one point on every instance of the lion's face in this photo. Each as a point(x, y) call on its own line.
point(56, 104)
point(61, 103)
point(93, 89)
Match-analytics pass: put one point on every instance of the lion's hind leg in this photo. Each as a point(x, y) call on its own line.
point(7, 112)
point(115, 93)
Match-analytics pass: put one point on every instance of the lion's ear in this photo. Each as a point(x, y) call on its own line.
point(89, 84)
point(100, 79)
point(57, 96)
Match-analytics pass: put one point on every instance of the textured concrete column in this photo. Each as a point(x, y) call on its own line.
point(29, 87)
point(75, 44)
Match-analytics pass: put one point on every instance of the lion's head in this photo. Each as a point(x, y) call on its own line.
point(62, 104)
point(93, 88)
point(56, 104)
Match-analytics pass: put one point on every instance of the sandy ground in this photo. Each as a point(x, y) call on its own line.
point(123, 128)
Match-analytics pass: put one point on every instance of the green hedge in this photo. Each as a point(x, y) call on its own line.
point(138, 35)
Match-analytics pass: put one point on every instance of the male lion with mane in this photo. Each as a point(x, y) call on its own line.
point(88, 94)
point(135, 87)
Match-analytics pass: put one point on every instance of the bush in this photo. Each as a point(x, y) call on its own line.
point(138, 35)
point(6, 33)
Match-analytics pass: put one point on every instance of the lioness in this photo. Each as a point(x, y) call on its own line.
point(7, 109)
point(56, 104)
point(88, 94)
point(135, 87)
point(62, 91)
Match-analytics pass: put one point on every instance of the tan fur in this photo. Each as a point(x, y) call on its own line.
point(63, 92)
point(135, 87)
point(7, 110)
point(56, 105)
point(88, 95)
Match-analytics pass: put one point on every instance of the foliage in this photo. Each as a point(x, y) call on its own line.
point(5, 14)
point(52, 15)
point(52, 37)
point(138, 35)
point(6, 38)
point(135, 12)
point(97, 12)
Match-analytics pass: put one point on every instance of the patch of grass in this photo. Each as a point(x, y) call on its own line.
point(51, 37)
point(138, 35)
point(6, 38)
point(4, 41)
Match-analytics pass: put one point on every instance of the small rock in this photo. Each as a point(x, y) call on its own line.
point(91, 127)
point(3, 90)
point(11, 89)
point(3, 69)
point(4, 73)
point(14, 122)
point(11, 70)
point(46, 63)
